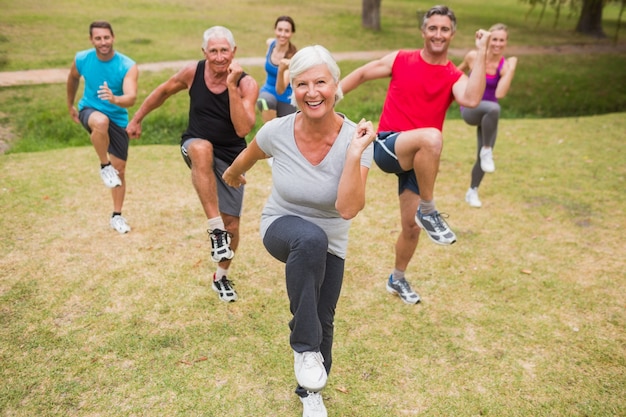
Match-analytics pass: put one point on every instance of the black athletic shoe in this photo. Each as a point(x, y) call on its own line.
point(220, 245)
point(225, 289)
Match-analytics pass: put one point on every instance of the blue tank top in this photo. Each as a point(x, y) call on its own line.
point(272, 73)
point(96, 72)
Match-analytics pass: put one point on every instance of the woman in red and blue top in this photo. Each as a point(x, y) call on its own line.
point(499, 74)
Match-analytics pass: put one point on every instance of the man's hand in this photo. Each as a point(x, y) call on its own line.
point(233, 179)
point(133, 129)
point(234, 73)
point(482, 38)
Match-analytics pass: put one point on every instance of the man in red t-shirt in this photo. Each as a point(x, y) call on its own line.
point(423, 85)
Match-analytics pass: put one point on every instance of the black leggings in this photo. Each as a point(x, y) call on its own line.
point(313, 277)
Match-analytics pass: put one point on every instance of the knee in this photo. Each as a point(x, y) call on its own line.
point(99, 122)
point(120, 166)
point(494, 112)
point(200, 153)
point(231, 224)
point(432, 140)
point(410, 230)
point(313, 246)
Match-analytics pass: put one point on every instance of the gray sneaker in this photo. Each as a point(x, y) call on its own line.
point(110, 176)
point(402, 288)
point(435, 227)
point(313, 405)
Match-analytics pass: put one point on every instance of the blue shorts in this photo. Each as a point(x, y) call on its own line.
point(386, 159)
point(230, 199)
point(118, 138)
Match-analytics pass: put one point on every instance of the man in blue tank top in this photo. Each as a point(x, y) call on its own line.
point(222, 100)
point(110, 89)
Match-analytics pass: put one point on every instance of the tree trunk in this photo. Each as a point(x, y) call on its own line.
point(590, 21)
point(370, 17)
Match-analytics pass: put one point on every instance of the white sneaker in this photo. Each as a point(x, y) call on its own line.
point(110, 176)
point(486, 160)
point(310, 371)
point(471, 196)
point(119, 223)
point(313, 405)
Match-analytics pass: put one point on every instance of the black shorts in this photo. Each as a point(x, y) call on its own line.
point(118, 138)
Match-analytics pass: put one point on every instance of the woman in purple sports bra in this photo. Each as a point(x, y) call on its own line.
point(500, 72)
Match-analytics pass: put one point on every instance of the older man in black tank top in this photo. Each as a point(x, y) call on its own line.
point(221, 114)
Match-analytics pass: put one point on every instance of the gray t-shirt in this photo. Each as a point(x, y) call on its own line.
point(305, 190)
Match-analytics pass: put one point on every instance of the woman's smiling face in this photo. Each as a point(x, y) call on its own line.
point(315, 91)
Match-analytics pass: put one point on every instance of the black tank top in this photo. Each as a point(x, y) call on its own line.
point(209, 118)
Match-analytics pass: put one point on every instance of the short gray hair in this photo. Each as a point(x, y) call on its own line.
point(218, 32)
point(442, 11)
point(309, 57)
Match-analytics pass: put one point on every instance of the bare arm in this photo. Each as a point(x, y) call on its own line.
point(73, 81)
point(351, 190)
point(178, 82)
point(378, 68)
point(234, 174)
point(282, 78)
point(129, 89)
point(242, 100)
point(468, 91)
point(508, 72)
point(468, 61)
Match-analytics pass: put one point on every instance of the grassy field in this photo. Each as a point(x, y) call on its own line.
point(35, 34)
point(524, 316)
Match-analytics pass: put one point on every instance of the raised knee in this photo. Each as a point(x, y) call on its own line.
point(99, 122)
point(433, 139)
point(200, 152)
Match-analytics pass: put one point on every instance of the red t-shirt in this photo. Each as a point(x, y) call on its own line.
point(419, 93)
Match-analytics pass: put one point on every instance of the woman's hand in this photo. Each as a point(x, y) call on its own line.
point(363, 135)
point(233, 179)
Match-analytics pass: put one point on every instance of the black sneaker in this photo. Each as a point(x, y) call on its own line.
point(402, 288)
point(225, 289)
point(435, 227)
point(220, 245)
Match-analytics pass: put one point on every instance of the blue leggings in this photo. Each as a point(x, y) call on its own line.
point(485, 117)
point(314, 278)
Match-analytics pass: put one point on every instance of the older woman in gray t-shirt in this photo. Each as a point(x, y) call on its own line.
point(321, 162)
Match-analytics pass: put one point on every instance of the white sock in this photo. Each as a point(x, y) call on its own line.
point(221, 272)
point(216, 223)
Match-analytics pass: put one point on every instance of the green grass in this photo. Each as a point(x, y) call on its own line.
point(555, 85)
point(37, 34)
point(524, 316)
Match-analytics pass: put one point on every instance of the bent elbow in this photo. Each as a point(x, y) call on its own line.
point(349, 213)
point(473, 103)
